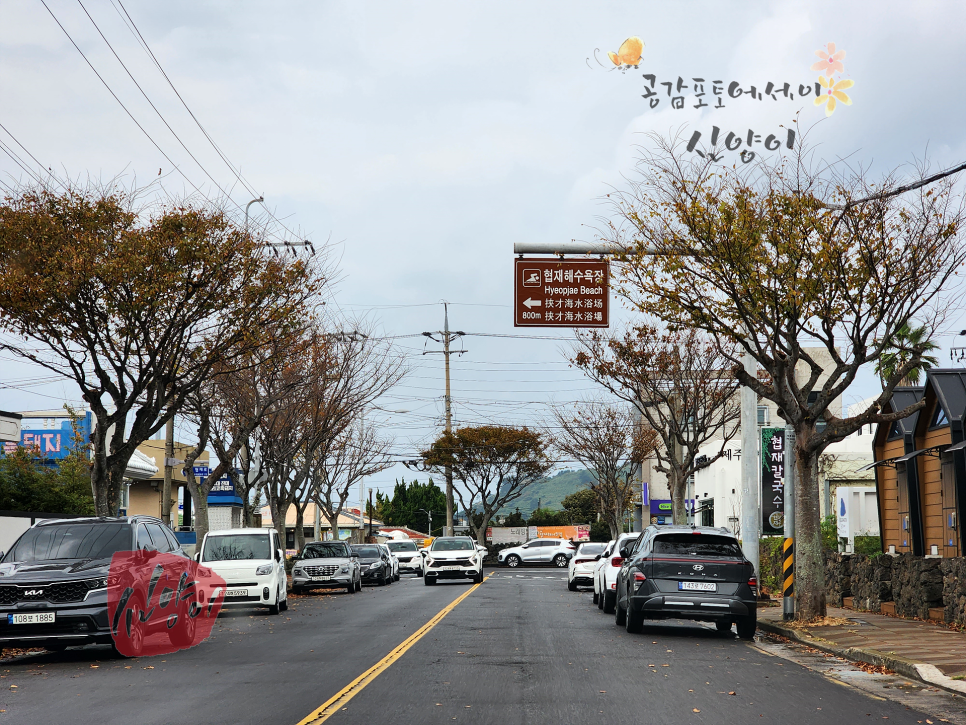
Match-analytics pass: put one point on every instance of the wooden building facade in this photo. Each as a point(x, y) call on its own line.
point(920, 465)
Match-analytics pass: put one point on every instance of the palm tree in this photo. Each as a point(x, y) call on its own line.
point(907, 343)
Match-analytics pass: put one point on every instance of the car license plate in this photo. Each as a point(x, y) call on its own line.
point(236, 592)
point(697, 586)
point(32, 618)
point(321, 578)
point(449, 568)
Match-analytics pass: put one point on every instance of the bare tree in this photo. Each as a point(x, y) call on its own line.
point(344, 374)
point(231, 405)
point(607, 440)
point(495, 464)
point(783, 258)
point(680, 382)
point(354, 454)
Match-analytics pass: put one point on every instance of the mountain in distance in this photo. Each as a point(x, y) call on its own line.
point(550, 491)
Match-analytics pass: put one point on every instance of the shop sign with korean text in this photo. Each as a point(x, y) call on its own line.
point(772, 481)
point(560, 293)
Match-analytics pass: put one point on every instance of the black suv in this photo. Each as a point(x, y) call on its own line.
point(53, 581)
point(687, 572)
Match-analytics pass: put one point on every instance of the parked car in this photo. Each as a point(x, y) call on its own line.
point(53, 580)
point(252, 563)
point(580, 573)
point(408, 556)
point(374, 563)
point(539, 551)
point(393, 561)
point(326, 565)
point(605, 573)
point(687, 572)
point(453, 557)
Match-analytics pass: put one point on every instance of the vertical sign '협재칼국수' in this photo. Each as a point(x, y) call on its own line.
point(560, 293)
point(772, 481)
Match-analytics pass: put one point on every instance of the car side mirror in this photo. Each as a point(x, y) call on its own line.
point(597, 558)
point(625, 552)
point(198, 556)
point(278, 555)
point(353, 556)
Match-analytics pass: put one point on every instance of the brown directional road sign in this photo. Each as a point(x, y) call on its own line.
point(560, 293)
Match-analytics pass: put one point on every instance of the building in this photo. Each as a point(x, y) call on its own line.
point(352, 527)
point(10, 427)
point(143, 496)
point(920, 467)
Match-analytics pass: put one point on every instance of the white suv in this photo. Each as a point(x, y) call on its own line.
point(605, 573)
point(453, 557)
point(252, 563)
point(539, 551)
point(408, 556)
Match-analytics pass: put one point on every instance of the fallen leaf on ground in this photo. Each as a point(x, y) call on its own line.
point(694, 709)
point(732, 693)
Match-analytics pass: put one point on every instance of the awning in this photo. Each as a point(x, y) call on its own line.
point(909, 456)
point(883, 462)
point(956, 447)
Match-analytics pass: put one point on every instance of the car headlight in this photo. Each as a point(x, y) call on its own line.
point(264, 570)
point(344, 569)
point(97, 583)
point(297, 572)
point(377, 565)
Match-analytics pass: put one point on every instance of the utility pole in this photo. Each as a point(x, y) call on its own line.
point(169, 464)
point(447, 337)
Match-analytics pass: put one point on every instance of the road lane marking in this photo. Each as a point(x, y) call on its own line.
point(341, 698)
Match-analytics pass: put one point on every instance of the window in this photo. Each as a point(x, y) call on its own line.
point(71, 541)
point(144, 538)
point(172, 539)
point(459, 545)
point(820, 424)
point(895, 431)
point(237, 547)
point(401, 546)
point(696, 545)
point(327, 550)
point(939, 418)
point(158, 537)
point(369, 551)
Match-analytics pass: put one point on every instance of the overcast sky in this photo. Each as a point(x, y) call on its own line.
point(424, 139)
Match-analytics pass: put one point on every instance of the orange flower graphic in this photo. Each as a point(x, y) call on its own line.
point(833, 94)
point(831, 60)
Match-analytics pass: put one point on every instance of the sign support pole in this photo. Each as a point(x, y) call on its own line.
point(750, 516)
point(788, 545)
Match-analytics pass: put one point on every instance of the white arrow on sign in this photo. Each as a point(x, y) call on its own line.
point(532, 303)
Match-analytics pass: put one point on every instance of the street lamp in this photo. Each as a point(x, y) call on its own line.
point(429, 515)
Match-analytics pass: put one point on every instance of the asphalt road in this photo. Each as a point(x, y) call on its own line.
point(519, 649)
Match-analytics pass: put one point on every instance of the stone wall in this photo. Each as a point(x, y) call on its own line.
point(914, 584)
point(954, 589)
point(838, 578)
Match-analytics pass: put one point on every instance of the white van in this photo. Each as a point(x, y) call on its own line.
point(252, 563)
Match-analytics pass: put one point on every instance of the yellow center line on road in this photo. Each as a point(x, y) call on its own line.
point(339, 699)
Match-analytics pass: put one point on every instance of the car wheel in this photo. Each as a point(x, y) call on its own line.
point(183, 636)
point(747, 626)
point(723, 626)
point(478, 578)
point(620, 614)
point(273, 609)
point(419, 572)
point(283, 605)
point(429, 581)
point(609, 601)
point(560, 561)
point(359, 584)
point(296, 590)
point(137, 634)
point(351, 589)
point(596, 597)
point(633, 621)
point(571, 586)
point(513, 561)
point(397, 577)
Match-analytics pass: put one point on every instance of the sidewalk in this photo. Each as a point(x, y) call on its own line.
point(928, 652)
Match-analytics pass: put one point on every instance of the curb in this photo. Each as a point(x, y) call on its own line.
point(929, 674)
